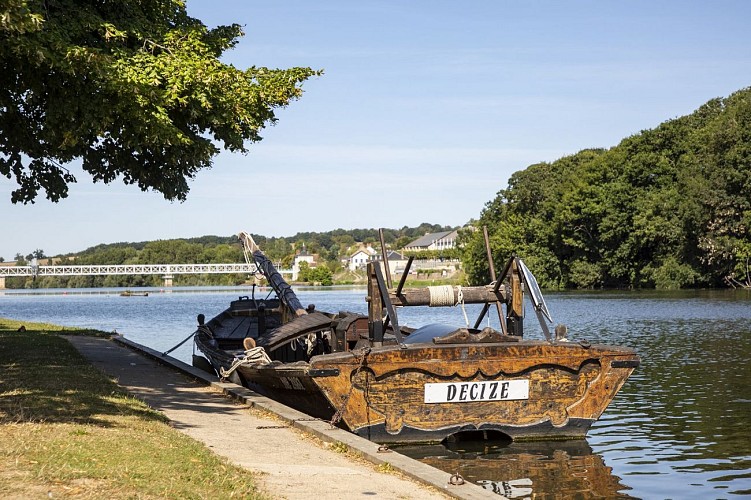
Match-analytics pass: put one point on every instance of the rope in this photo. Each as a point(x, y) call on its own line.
point(253, 356)
point(256, 355)
point(235, 365)
point(460, 300)
point(205, 329)
point(178, 345)
point(441, 296)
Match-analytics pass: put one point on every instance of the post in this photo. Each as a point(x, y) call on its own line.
point(167, 280)
point(515, 320)
point(2, 282)
point(385, 255)
point(493, 277)
point(375, 307)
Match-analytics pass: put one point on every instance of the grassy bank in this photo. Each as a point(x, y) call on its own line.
point(420, 279)
point(66, 430)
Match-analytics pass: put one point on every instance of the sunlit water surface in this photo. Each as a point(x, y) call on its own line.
point(678, 429)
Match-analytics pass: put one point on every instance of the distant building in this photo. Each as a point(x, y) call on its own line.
point(397, 261)
point(303, 256)
point(433, 241)
point(360, 258)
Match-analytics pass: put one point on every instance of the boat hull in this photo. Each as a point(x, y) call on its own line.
point(291, 386)
point(382, 394)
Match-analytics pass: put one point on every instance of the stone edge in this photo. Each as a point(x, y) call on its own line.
point(368, 450)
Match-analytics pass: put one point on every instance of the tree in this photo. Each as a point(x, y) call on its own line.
point(320, 275)
point(667, 208)
point(402, 242)
point(133, 89)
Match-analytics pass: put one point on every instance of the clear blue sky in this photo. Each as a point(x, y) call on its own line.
point(425, 110)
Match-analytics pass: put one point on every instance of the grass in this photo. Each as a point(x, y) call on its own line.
point(422, 279)
point(66, 430)
point(339, 447)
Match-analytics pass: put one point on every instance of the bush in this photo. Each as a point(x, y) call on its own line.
point(585, 274)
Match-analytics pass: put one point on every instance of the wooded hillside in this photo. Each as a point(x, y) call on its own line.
point(667, 208)
point(330, 247)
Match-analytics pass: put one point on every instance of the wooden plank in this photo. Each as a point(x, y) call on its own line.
point(302, 325)
point(517, 297)
point(375, 307)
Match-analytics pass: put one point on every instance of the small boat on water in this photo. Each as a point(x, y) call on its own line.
point(129, 293)
point(394, 384)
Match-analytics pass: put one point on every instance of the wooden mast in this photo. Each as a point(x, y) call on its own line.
point(281, 287)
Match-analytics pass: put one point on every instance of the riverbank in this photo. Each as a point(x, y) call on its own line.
point(67, 430)
point(276, 460)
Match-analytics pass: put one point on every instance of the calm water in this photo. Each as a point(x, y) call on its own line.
point(678, 429)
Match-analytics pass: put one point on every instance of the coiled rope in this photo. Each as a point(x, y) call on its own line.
point(257, 355)
point(253, 356)
point(442, 296)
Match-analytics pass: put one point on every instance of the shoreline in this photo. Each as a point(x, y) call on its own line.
point(179, 403)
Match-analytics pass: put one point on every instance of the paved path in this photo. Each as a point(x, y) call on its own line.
point(292, 464)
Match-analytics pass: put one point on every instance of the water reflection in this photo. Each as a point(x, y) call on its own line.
point(540, 470)
point(679, 427)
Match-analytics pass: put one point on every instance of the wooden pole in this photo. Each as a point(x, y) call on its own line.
point(385, 256)
point(375, 307)
point(471, 295)
point(404, 275)
point(491, 266)
point(516, 315)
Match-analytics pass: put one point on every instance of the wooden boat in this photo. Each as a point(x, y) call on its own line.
point(395, 384)
point(128, 293)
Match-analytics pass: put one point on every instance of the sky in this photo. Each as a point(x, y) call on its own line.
point(424, 111)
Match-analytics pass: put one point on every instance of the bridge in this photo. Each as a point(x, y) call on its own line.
point(167, 271)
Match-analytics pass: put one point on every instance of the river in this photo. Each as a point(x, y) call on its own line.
point(678, 429)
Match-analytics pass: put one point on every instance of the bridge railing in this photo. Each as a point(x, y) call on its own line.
point(108, 270)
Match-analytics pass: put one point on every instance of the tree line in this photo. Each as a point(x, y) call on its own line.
point(666, 208)
point(330, 247)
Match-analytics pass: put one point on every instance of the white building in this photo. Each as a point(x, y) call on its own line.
point(433, 241)
point(301, 257)
point(360, 258)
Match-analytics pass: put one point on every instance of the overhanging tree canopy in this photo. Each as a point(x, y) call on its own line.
point(132, 88)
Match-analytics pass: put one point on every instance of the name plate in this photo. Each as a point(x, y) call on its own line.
point(465, 392)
